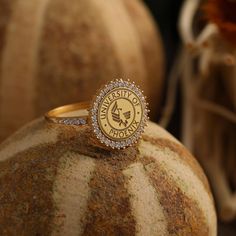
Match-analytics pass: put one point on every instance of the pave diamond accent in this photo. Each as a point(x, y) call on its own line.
point(73, 121)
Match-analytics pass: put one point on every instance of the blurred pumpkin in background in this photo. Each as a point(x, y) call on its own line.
point(57, 52)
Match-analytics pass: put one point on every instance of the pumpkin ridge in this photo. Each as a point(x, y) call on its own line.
point(74, 62)
point(184, 155)
point(173, 201)
point(70, 193)
point(108, 203)
point(18, 83)
point(5, 15)
point(145, 203)
point(21, 140)
point(28, 208)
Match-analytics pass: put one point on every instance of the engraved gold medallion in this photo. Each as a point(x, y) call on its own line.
point(119, 114)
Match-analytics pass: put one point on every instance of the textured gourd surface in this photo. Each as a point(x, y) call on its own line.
point(55, 181)
point(54, 52)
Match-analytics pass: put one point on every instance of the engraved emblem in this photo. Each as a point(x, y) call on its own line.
point(116, 115)
point(119, 114)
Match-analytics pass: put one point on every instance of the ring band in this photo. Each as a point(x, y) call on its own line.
point(73, 114)
point(117, 115)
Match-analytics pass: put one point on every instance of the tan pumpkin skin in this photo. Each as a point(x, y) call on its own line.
point(54, 52)
point(55, 181)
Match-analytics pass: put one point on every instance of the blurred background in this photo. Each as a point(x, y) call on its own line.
point(166, 14)
point(63, 53)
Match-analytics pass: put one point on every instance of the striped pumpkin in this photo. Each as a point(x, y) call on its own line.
point(53, 181)
point(54, 52)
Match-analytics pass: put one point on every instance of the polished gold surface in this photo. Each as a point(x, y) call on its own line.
point(77, 112)
point(120, 114)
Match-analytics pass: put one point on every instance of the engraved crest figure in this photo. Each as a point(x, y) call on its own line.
point(117, 113)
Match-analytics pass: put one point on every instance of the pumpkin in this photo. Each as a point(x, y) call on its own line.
point(55, 181)
point(58, 52)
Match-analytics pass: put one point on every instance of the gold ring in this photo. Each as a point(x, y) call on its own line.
point(117, 115)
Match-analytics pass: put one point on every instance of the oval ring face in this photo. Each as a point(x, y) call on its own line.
point(119, 114)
